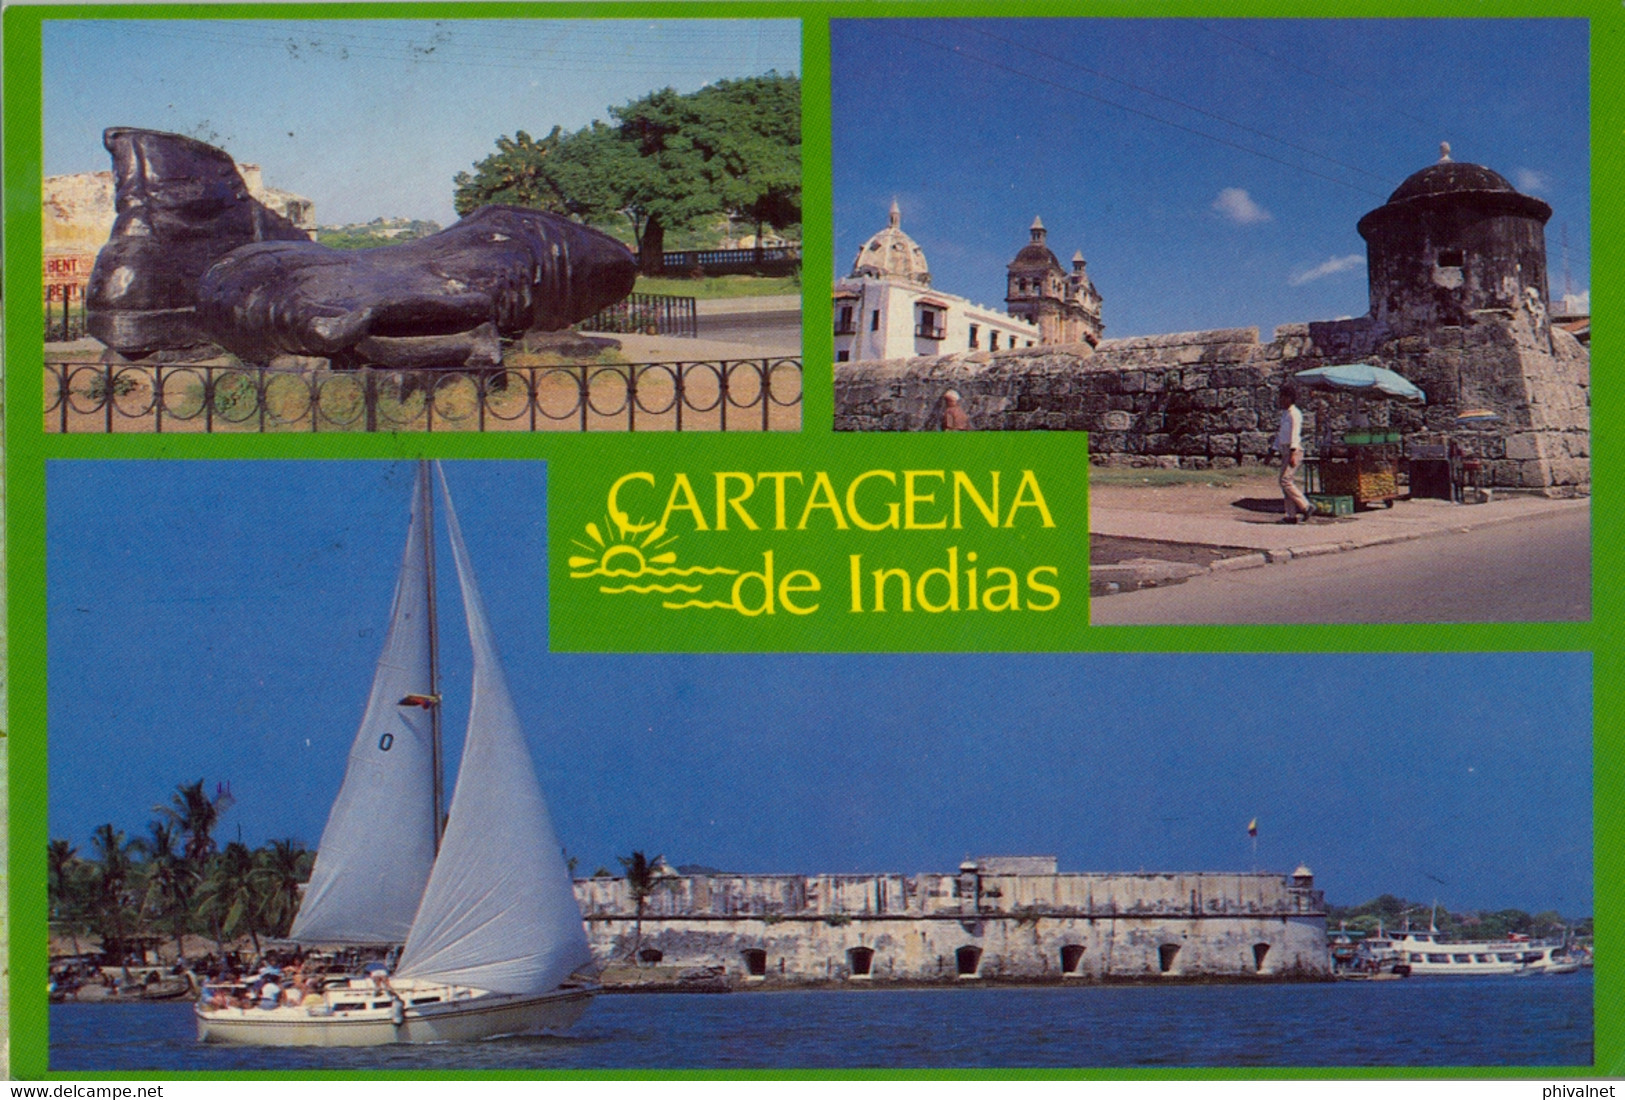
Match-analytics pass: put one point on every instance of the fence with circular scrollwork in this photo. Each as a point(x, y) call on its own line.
point(704, 395)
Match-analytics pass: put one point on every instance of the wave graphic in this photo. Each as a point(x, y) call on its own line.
point(645, 589)
point(703, 605)
point(674, 571)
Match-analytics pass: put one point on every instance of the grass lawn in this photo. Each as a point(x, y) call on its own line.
point(719, 286)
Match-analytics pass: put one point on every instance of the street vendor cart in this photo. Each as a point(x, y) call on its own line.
point(1361, 465)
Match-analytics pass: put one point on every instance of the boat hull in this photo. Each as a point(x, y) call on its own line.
point(487, 1016)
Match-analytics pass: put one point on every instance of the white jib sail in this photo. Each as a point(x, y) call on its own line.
point(378, 846)
point(499, 912)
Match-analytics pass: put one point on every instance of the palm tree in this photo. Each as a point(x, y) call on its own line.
point(640, 880)
point(281, 868)
point(169, 882)
point(111, 900)
point(66, 888)
point(230, 899)
point(195, 814)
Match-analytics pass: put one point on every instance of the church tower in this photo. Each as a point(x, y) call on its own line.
point(1064, 305)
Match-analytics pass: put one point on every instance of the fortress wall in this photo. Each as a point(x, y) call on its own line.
point(1029, 949)
point(1207, 400)
point(1018, 927)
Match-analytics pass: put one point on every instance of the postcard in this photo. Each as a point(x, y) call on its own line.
point(648, 541)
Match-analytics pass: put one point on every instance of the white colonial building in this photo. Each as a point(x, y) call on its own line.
point(887, 308)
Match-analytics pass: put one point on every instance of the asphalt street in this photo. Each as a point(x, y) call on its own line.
point(1532, 570)
point(775, 332)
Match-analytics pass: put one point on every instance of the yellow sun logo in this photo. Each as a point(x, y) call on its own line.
point(626, 558)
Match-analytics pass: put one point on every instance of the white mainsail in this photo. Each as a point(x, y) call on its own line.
point(499, 912)
point(378, 846)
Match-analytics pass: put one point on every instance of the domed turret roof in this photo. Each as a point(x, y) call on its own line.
point(1447, 177)
point(891, 253)
point(1035, 253)
point(1447, 180)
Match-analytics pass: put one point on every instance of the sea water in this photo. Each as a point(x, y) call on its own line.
point(1484, 1021)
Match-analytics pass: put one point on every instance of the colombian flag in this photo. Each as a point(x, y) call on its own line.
point(1252, 827)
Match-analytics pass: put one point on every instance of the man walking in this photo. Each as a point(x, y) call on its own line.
point(1289, 442)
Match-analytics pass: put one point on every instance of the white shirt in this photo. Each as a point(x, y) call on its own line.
point(1289, 436)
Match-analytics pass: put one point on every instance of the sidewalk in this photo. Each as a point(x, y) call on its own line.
point(1170, 534)
point(637, 348)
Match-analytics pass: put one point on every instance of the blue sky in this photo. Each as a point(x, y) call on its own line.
point(1211, 171)
point(373, 118)
point(1462, 776)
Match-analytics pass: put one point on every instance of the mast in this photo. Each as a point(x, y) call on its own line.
point(426, 488)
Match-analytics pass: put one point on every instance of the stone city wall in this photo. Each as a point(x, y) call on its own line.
point(930, 927)
point(1207, 400)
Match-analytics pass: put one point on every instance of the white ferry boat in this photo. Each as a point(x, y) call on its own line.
point(1427, 954)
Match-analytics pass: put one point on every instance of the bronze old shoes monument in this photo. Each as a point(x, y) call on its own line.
point(181, 205)
point(194, 260)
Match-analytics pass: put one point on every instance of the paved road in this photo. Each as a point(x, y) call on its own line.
point(775, 332)
point(1533, 570)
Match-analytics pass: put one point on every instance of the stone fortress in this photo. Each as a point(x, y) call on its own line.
point(1013, 919)
point(1459, 304)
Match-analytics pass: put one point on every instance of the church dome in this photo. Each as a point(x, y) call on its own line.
point(1036, 253)
point(891, 253)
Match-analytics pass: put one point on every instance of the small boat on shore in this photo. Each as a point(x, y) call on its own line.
point(480, 897)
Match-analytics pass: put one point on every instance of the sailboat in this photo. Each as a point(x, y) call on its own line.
point(480, 898)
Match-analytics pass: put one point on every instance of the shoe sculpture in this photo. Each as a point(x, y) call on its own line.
point(194, 259)
point(439, 301)
point(180, 205)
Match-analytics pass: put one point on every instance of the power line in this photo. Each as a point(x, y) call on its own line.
point(1177, 102)
point(1433, 126)
point(964, 54)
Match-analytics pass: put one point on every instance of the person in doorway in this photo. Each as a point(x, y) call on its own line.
point(1289, 444)
point(954, 417)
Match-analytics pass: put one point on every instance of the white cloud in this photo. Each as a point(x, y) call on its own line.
point(1577, 302)
point(1334, 266)
point(1530, 181)
point(1238, 206)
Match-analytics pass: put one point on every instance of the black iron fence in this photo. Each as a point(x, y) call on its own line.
point(783, 260)
point(64, 312)
point(651, 314)
point(708, 395)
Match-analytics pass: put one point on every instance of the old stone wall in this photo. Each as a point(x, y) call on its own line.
point(926, 928)
point(1207, 400)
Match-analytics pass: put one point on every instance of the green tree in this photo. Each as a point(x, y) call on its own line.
point(667, 161)
point(196, 814)
point(280, 869)
point(230, 899)
point(169, 883)
point(640, 880)
point(67, 888)
point(519, 173)
point(113, 906)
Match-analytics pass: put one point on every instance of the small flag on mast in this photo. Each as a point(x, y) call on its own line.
point(1252, 827)
point(424, 701)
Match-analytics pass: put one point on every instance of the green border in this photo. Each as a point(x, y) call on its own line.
point(28, 448)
